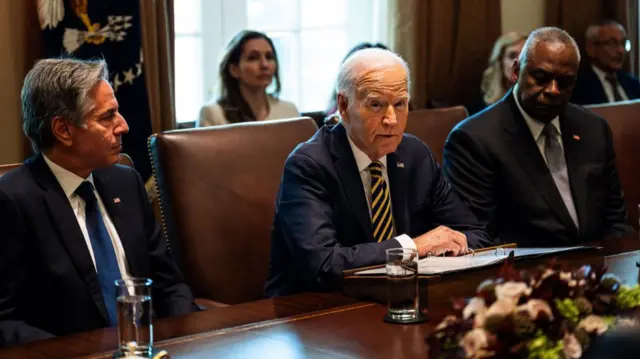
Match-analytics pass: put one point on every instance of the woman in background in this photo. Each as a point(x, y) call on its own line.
point(248, 68)
point(332, 117)
point(496, 79)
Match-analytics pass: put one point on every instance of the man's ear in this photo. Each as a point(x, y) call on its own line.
point(62, 131)
point(515, 71)
point(343, 107)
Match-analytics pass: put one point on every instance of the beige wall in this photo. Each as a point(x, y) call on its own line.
point(19, 45)
point(522, 15)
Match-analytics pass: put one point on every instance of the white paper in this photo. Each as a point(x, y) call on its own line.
point(441, 265)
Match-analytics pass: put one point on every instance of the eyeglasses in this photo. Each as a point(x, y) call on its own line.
point(613, 43)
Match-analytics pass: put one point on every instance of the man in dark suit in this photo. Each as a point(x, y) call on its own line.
point(73, 221)
point(361, 187)
point(602, 79)
point(535, 169)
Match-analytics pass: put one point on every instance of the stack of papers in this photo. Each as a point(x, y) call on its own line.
point(442, 265)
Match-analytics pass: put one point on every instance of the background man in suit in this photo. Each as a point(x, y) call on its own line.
point(535, 169)
point(602, 79)
point(361, 187)
point(72, 221)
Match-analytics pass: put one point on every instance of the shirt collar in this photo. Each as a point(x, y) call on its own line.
point(68, 180)
point(535, 126)
point(601, 74)
point(362, 160)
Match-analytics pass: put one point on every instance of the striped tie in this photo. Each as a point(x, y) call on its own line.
point(381, 218)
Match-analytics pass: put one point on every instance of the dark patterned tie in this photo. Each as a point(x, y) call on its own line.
point(381, 216)
point(613, 80)
point(558, 167)
point(103, 252)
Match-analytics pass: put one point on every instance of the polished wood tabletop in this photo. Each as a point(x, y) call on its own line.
point(311, 325)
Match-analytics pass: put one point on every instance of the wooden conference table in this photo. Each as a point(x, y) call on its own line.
point(311, 325)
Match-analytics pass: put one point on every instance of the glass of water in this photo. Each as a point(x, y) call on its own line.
point(135, 328)
point(402, 284)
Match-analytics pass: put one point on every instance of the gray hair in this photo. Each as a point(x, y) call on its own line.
point(372, 58)
point(546, 35)
point(58, 88)
point(593, 31)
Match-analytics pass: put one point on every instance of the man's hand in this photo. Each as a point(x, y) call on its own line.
point(441, 240)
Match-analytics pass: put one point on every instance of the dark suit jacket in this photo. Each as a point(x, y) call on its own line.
point(493, 162)
point(48, 283)
point(322, 225)
point(589, 90)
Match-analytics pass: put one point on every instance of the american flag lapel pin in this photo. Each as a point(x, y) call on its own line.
point(116, 200)
point(576, 137)
point(400, 164)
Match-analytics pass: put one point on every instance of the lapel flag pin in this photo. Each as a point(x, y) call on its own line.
point(576, 137)
point(400, 165)
point(116, 200)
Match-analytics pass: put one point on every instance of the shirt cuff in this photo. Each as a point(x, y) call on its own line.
point(406, 242)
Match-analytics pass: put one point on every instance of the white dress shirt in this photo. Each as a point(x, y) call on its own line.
point(363, 161)
point(606, 85)
point(536, 128)
point(70, 182)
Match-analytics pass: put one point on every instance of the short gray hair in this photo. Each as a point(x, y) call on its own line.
point(593, 31)
point(348, 77)
point(546, 35)
point(58, 87)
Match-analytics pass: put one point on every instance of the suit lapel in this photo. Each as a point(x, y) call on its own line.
point(347, 171)
point(532, 162)
point(68, 229)
point(577, 180)
point(114, 206)
point(397, 185)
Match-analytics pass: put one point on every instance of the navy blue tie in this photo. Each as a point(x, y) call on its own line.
point(103, 252)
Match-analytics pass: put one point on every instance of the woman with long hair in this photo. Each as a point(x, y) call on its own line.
point(496, 79)
point(247, 69)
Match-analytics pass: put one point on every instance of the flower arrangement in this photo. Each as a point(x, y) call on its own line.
point(544, 313)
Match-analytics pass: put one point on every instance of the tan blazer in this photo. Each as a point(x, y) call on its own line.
point(213, 114)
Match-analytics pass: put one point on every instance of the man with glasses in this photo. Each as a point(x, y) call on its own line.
point(602, 78)
point(535, 169)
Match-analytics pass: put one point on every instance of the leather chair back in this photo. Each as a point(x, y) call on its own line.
point(217, 189)
point(625, 129)
point(432, 126)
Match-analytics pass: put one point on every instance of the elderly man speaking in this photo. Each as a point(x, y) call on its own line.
point(363, 186)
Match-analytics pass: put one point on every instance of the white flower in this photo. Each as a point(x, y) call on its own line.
point(474, 342)
point(477, 307)
point(593, 324)
point(547, 273)
point(501, 307)
point(572, 348)
point(534, 307)
point(565, 276)
point(512, 291)
point(448, 320)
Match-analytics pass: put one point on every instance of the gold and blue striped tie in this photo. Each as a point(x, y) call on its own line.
point(381, 216)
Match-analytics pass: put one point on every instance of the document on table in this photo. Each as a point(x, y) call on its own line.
point(442, 265)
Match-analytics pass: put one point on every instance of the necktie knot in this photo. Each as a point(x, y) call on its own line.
point(613, 80)
point(375, 168)
point(549, 130)
point(85, 191)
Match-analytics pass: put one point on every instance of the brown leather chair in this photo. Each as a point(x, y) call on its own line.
point(125, 160)
point(217, 191)
point(624, 120)
point(432, 126)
